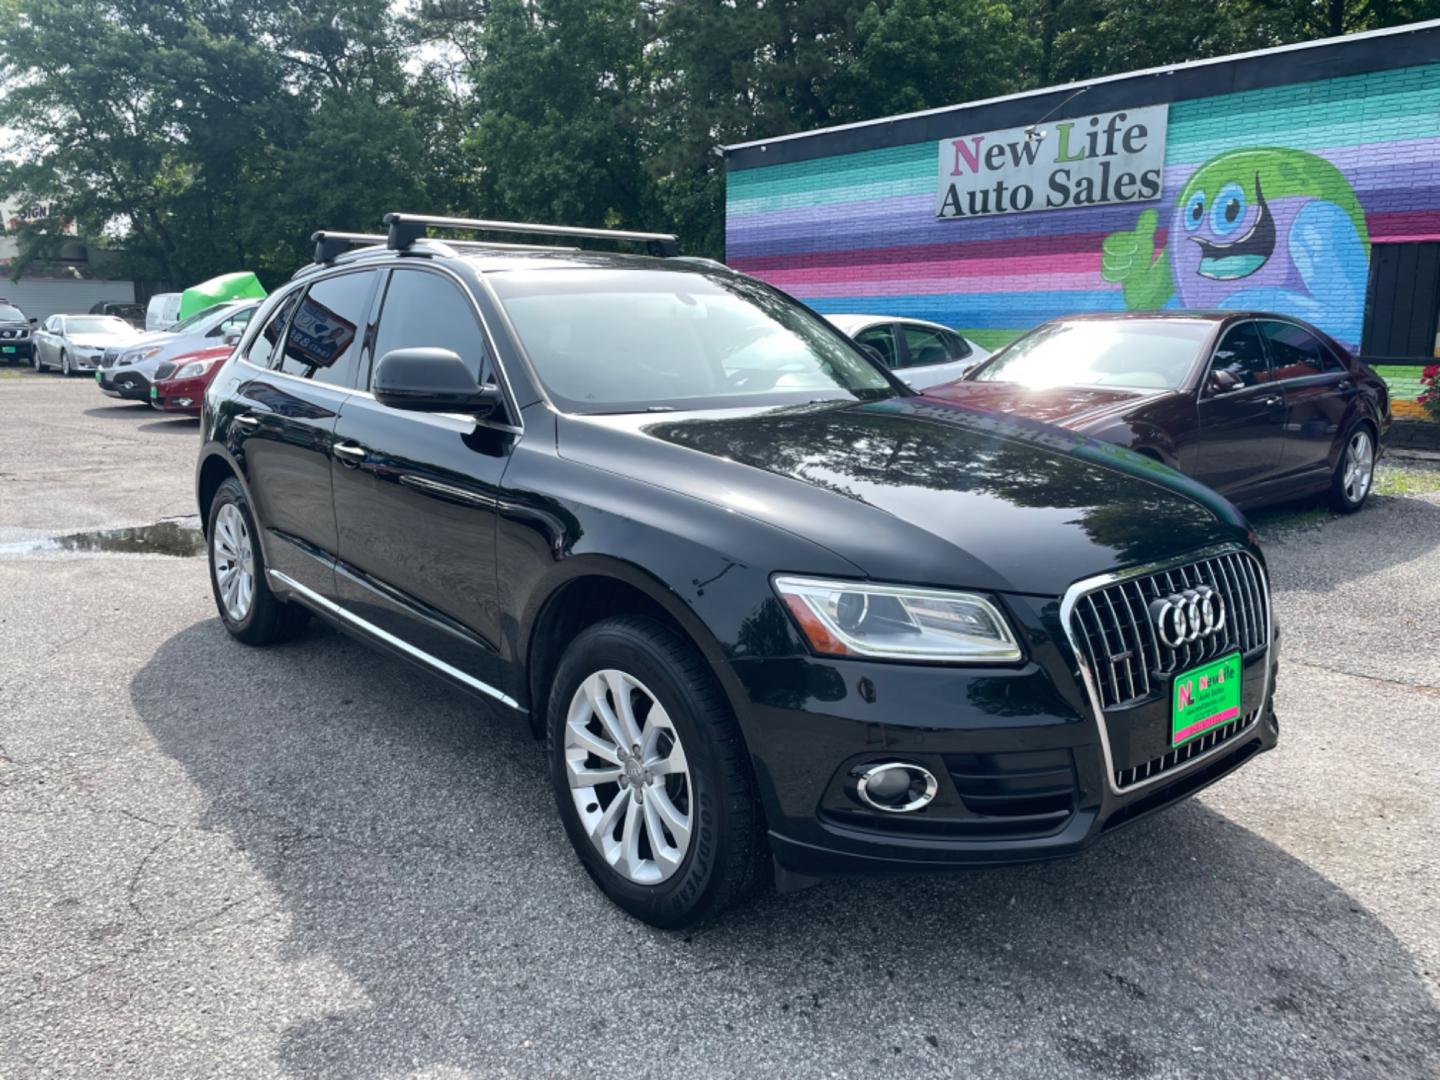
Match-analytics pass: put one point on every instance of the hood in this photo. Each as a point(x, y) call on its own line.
point(1068, 406)
point(103, 341)
point(153, 337)
point(924, 491)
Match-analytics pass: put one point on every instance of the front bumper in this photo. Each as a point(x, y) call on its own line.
point(1019, 759)
point(13, 350)
point(179, 395)
point(124, 383)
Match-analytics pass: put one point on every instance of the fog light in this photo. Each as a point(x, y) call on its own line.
point(184, 402)
point(896, 787)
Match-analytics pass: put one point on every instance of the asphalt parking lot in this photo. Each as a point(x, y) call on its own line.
point(313, 861)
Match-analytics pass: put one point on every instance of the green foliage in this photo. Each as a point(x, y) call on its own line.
point(203, 136)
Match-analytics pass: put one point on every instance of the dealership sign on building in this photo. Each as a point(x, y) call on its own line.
point(1114, 157)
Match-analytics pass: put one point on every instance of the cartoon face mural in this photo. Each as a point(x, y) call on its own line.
point(1265, 228)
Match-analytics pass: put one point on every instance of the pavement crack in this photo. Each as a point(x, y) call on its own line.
point(133, 889)
point(1419, 688)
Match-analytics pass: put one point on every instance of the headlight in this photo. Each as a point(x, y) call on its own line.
point(897, 622)
point(139, 354)
point(194, 369)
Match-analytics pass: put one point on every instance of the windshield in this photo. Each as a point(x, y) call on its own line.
point(1155, 354)
point(199, 317)
point(618, 340)
point(96, 324)
point(13, 313)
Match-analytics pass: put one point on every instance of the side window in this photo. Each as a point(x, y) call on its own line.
point(926, 346)
point(1239, 361)
point(1296, 352)
point(323, 342)
point(52, 325)
point(263, 348)
point(880, 339)
point(958, 346)
point(238, 321)
point(424, 310)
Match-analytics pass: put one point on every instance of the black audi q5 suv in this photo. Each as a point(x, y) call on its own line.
point(772, 612)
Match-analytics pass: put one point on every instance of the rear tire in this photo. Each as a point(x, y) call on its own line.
point(1355, 471)
point(248, 608)
point(673, 834)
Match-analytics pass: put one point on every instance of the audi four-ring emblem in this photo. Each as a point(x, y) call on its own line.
point(1183, 617)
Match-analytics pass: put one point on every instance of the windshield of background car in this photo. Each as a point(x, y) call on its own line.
point(96, 324)
point(1143, 354)
point(12, 313)
point(199, 317)
point(604, 340)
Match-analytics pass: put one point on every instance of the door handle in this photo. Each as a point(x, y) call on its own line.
point(1345, 384)
point(1273, 399)
point(350, 454)
point(245, 420)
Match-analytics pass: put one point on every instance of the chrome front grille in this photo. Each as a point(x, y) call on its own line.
point(1124, 778)
point(111, 355)
point(164, 371)
point(1121, 648)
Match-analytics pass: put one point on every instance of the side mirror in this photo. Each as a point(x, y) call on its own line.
point(1223, 382)
point(34, 321)
point(876, 355)
point(232, 337)
point(431, 380)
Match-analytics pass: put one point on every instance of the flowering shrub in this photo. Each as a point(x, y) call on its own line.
point(1430, 390)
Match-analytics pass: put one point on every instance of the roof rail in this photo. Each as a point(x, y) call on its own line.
point(405, 229)
point(329, 244)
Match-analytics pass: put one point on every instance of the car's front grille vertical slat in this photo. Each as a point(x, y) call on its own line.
point(1121, 647)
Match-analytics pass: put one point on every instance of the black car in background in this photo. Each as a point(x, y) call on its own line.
point(771, 611)
point(1261, 407)
point(15, 335)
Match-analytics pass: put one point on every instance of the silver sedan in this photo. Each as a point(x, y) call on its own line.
point(71, 343)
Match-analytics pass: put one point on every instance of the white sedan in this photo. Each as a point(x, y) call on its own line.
point(923, 354)
point(127, 372)
point(71, 343)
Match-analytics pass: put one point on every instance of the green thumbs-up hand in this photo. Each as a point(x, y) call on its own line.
point(1128, 259)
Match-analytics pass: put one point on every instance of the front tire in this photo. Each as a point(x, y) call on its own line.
point(650, 774)
point(35, 359)
point(248, 608)
point(1355, 471)
point(65, 364)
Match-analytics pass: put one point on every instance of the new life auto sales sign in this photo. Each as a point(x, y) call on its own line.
point(1114, 157)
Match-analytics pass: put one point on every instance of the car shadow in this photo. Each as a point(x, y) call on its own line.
point(127, 408)
point(173, 425)
point(413, 842)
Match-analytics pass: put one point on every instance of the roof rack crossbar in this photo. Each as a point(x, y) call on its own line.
point(405, 229)
point(329, 244)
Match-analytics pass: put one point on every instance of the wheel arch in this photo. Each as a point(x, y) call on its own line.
point(587, 589)
point(214, 469)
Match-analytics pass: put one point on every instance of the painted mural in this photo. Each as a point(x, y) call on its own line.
point(1271, 198)
point(1262, 228)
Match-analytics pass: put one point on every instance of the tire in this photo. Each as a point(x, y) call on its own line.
point(65, 364)
point(712, 792)
point(35, 359)
point(1355, 471)
point(248, 608)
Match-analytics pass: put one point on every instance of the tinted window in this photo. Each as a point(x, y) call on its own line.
point(424, 310)
point(327, 328)
point(626, 340)
point(958, 346)
point(1242, 355)
point(926, 346)
point(262, 349)
point(1296, 353)
point(882, 340)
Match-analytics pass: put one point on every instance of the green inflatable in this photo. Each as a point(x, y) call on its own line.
point(239, 286)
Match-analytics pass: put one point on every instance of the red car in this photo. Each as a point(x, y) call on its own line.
point(179, 385)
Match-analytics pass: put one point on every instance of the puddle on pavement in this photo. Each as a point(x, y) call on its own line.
point(163, 538)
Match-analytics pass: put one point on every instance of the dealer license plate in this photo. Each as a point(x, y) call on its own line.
point(154, 393)
point(8, 348)
point(1204, 698)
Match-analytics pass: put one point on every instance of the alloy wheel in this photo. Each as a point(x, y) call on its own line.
point(233, 557)
point(1359, 466)
point(65, 364)
point(628, 776)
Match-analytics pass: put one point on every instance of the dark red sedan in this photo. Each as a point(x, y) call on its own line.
point(179, 385)
point(1262, 408)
